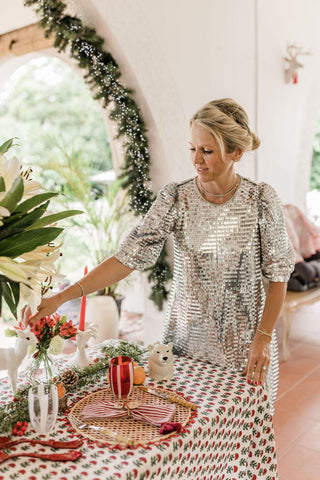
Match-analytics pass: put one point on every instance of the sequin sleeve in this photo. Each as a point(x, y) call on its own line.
point(277, 255)
point(142, 246)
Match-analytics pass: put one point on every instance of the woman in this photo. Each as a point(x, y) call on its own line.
point(229, 233)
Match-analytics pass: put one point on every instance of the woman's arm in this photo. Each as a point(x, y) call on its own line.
point(259, 353)
point(107, 273)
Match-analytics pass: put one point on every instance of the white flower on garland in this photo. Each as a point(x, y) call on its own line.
point(27, 230)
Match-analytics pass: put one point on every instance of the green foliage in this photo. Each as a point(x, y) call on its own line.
point(103, 77)
point(124, 348)
point(44, 97)
point(17, 410)
point(315, 164)
point(105, 214)
point(21, 229)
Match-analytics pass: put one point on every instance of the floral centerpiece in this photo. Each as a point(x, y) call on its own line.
point(27, 232)
point(51, 331)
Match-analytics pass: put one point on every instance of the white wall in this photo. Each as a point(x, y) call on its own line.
point(288, 113)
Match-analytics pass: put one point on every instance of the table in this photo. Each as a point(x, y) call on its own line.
point(231, 436)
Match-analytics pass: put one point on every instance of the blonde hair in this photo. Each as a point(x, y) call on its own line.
point(227, 121)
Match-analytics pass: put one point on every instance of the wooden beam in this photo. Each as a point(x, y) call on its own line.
point(24, 40)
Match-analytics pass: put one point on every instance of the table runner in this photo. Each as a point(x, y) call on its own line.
point(231, 437)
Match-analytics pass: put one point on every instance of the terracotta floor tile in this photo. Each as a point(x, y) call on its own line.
point(293, 371)
point(304, 401)
point(289, 427)
point(311, 438)
point(300, 463)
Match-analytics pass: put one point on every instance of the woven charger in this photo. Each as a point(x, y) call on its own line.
point(123, 431)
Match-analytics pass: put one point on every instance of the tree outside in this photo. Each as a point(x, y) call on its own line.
point(49, 109)
point(313, 196)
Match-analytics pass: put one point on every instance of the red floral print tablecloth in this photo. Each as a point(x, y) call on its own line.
point(231, 436)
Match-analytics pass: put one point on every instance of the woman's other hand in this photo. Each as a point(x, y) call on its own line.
point(258, 360)
point(47, 306)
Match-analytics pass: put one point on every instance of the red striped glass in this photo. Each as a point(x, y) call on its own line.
point(121, 376)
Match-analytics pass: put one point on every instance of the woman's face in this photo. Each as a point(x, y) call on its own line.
point(206, 156)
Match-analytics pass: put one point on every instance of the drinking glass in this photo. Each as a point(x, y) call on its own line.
point(43, 407)
point(121, 377)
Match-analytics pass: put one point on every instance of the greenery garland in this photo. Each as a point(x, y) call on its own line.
point(102, 76)
point(17, 410)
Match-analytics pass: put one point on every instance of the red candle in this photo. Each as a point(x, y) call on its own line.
point(83, 307)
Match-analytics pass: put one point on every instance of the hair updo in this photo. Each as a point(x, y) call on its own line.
point(227, 121)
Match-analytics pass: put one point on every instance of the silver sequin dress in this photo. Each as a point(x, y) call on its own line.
point(221, 254)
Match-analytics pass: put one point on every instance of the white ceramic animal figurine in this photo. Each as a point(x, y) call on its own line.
point(80, 359)
point(160, 361)
point(11, 358)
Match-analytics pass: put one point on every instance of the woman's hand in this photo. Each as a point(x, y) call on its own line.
point(47, 306)
point(258, 360)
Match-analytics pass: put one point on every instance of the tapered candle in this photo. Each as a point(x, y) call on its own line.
point(83, 307)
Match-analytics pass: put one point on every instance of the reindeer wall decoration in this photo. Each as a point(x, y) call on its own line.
point(11, 358)
point(292, 64)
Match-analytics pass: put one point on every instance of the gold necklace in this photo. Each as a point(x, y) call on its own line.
point(222, 194)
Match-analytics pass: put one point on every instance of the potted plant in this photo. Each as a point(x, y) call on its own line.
point(100, 228)
point(27, 233)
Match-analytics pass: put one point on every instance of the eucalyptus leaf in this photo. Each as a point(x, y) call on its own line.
point(27, 241)
point(14, 195)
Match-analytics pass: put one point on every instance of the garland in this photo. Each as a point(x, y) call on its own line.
point(102, 76)
point(17, 410)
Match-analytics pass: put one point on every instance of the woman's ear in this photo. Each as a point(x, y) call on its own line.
point(237, 154)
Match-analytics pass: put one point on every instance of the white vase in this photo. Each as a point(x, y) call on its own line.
point(102, 311)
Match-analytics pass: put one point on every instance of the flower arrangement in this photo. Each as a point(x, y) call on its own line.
point(27, 232)
point(51, 331)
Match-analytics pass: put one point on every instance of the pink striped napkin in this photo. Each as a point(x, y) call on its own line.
point(156, 414)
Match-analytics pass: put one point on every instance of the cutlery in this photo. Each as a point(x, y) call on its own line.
point(170, 397)
point(6, 442)
point(55, 457)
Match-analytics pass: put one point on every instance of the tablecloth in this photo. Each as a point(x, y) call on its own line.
point(231, 436)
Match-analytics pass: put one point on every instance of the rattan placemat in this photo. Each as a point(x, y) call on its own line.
point(123, 431)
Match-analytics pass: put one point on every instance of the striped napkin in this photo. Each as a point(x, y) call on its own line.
point(156, 414)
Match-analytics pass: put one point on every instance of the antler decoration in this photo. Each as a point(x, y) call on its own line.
point(292, 64)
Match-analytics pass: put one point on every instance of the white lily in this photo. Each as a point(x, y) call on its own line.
point(41, 252)
point(12, 270)
point(31, 187)
point(9, 170)
point(31, 294)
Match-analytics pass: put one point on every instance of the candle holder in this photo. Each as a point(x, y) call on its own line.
point(81, 359)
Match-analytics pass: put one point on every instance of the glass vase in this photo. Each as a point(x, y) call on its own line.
point(42, 368)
